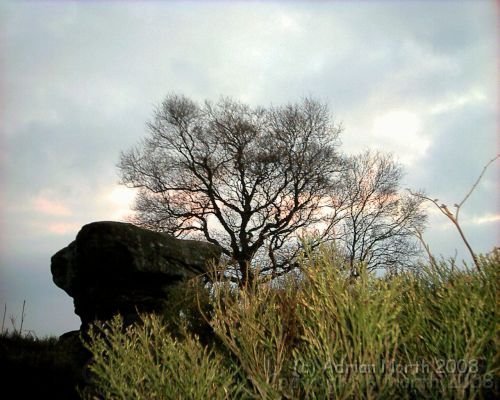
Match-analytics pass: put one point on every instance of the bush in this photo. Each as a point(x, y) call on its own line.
point(426, 335)
point(322, 334)
point(145, 362)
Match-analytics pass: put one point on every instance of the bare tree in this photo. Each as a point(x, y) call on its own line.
point(378, 221)
point(249, 180)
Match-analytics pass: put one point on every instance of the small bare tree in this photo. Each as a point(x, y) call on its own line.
point(247, 179)
point(378, 221)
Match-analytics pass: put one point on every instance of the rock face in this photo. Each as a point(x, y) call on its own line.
point(115, 267)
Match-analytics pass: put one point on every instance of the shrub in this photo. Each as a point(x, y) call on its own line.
point(258, 327)
point(320, 334)
point(145, 362)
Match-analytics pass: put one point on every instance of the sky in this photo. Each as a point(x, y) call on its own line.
point(79, 81)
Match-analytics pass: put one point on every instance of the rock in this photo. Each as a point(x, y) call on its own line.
point(115, 267)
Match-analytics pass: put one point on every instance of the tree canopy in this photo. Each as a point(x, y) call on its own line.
point(247, 179)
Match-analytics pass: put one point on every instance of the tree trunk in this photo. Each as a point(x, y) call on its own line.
point(247, 276)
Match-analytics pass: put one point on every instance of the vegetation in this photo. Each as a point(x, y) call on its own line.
point(315, 320)
point(320, 334)
point(38, 368)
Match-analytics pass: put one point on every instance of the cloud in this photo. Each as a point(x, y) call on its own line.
point(400, 132)
point(49, 206)
point(458, 101)
point(486, 219)
point(289, 23)
point(62, 228)
point(119, 202)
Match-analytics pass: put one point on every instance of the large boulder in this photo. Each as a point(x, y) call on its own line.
point(115, 267)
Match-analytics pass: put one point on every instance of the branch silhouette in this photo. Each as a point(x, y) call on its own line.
point(453, 217)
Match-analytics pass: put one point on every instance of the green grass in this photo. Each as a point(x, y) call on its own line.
point(431, 334)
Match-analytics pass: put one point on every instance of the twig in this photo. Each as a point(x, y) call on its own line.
point(13, 323)
point(427, 249)
point(475, 184)
point(22, 318)
point(3, 319)
point(454, 217)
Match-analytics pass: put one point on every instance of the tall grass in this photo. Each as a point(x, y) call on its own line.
point(146, 362)
point(426, 334)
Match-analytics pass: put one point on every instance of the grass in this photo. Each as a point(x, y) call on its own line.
point(38, 368)
point(426, 334)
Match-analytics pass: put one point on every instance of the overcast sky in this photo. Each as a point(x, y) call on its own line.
point(79, 80)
